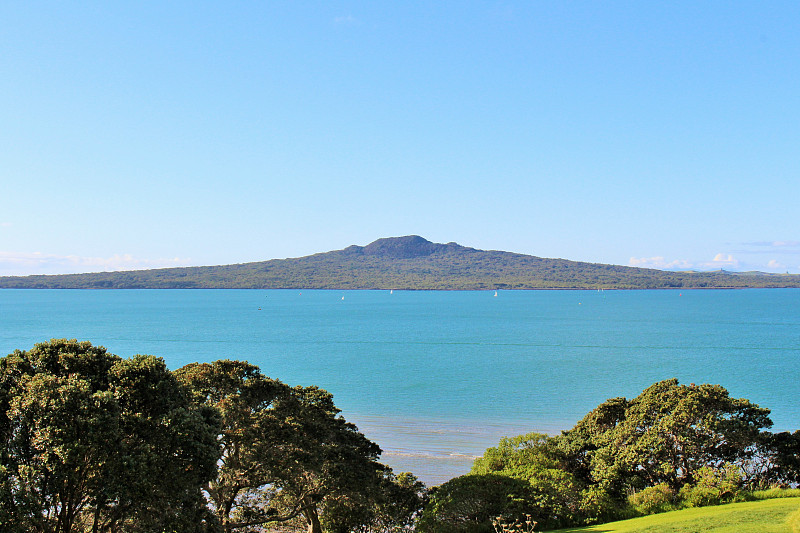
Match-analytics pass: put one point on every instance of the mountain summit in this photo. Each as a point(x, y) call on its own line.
point(409, 262)
point(407, 247)
point(401, 247)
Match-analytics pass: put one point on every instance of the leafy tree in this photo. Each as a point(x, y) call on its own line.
point(286, 452)
point(536, 459)
point(776, 461)
point(392, 506)
point(469, 504)
point(404, 496)
point(93, 442)
point(579, 444)
point(784, 450)
point(670, 431)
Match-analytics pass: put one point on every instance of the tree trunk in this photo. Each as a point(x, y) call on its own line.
point(96, 520)
point(310, 512)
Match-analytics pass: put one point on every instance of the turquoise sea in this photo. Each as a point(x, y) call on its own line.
point(436, 377)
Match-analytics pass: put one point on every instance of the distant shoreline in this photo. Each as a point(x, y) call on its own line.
point(386, 290)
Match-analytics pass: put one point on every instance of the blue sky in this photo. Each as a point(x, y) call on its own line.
point(149, 134)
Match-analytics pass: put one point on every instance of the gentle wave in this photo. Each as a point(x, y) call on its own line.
point(428, 455)
point(438, 449)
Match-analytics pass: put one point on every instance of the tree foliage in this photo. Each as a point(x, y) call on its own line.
point(469, 504)
point(286, 453)
point(666, 434)
point(93, 442)
point(776, 461)
point(535, 458)
point(391, 506)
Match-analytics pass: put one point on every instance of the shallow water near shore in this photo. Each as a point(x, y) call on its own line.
point(436, 377)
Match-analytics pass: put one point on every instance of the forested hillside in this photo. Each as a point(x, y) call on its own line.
point(412, 263)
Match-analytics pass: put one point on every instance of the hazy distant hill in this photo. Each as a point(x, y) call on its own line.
point(409, 262)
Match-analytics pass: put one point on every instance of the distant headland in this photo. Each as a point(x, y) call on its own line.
point(407, 263)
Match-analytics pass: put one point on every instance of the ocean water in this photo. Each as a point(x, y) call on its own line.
point(436, 377)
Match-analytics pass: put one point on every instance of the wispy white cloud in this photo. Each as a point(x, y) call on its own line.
point(660, 263)
point(6, 224)
point(721, 261)
point(770, 247)
point(725, 261)
point(22, 264)
point(782, 258)
point(773, 244)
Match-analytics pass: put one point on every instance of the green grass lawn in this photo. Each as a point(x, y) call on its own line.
point(781, 515)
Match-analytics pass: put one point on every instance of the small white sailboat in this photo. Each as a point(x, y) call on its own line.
point(495, 293)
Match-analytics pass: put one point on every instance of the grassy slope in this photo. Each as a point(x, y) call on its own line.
point(780, 515)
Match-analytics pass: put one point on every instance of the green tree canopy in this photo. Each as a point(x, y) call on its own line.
point(777, 461)
point(94, 442)
point(535, 458)
point(667, 433)
point(469, 504)
point(388, 507)
point(287, 454)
